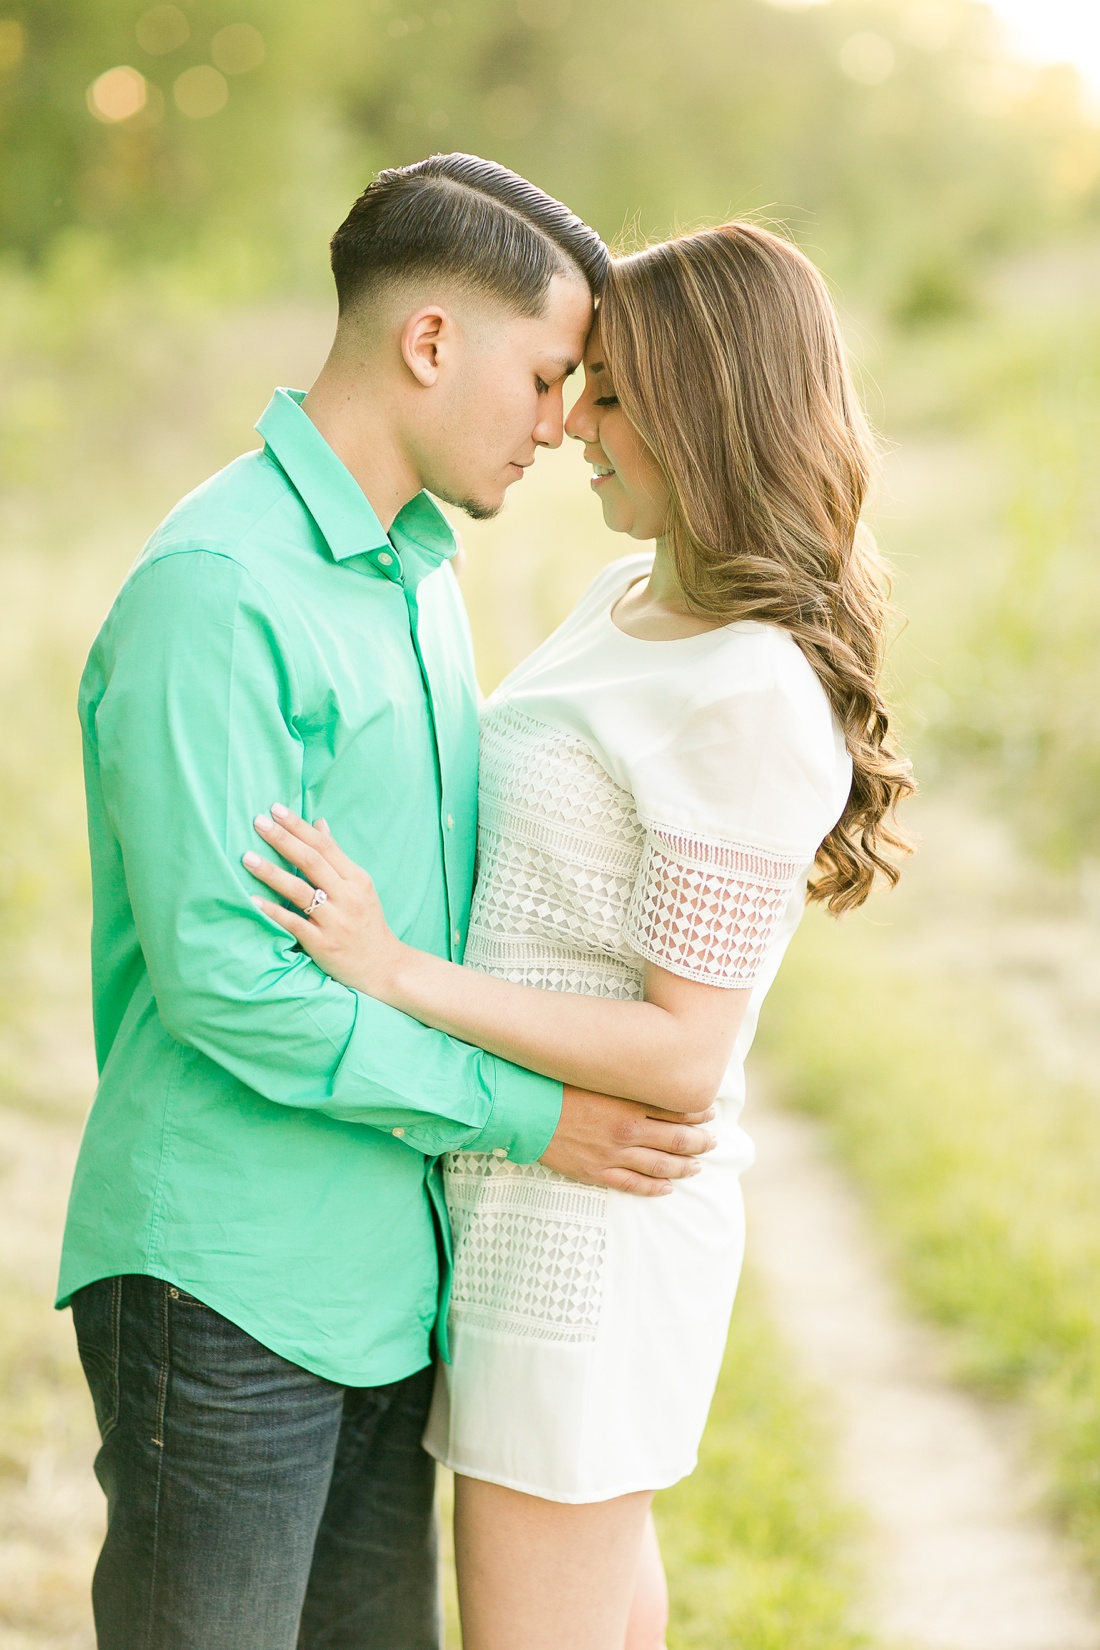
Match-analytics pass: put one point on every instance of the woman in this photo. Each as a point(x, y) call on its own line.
point(657, 781)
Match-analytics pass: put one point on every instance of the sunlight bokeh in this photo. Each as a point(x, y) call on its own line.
point(1056, 31)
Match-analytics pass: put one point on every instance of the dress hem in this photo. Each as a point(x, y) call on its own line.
point(549, 1495)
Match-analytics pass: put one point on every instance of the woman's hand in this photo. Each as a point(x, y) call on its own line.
point(345, 931)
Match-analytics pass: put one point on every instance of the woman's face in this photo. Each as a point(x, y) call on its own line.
point(627, 477)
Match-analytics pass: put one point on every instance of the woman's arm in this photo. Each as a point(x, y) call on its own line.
point(669, 1050)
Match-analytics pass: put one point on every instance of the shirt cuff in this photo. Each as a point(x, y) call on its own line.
point(526, 1111)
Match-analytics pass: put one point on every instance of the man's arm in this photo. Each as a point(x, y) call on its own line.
point(197, 721)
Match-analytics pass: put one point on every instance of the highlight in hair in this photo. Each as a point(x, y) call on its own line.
point(727, 357)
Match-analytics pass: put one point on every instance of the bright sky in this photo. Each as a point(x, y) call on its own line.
point(1060, 31)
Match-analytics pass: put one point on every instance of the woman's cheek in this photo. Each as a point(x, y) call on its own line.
point(617, 510)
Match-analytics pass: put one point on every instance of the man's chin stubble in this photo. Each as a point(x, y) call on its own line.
point(476, 511)
point(472, 507)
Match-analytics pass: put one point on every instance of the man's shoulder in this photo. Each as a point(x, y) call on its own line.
point(220, 546)
point(236, 513)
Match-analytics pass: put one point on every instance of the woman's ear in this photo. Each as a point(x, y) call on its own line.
point(426, 337)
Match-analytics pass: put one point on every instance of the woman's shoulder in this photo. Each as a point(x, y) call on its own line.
point(753, 752)
point(758, 692)
point(753, 660)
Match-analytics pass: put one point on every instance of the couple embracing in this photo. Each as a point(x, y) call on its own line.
point(389, 1166)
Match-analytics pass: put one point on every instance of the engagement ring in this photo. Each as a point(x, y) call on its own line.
point(319, 898)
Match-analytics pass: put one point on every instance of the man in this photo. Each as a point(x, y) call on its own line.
point(256, 1225)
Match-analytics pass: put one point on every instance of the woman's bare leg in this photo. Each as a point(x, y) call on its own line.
point(539, 1575)
point(648, 1621)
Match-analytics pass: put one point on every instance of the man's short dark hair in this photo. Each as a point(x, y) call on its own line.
point(469, 219)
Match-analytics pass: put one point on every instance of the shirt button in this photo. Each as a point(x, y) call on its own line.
point(457, 937)
point(500, 1151)
point(385, 559)
point(399, 1133)
point(450, 822)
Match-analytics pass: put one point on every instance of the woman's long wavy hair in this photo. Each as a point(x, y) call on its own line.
point(727, 357)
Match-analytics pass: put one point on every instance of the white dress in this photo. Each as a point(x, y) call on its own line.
point(659, 800)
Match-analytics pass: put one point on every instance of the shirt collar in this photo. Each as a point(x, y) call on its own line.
point(420, 534)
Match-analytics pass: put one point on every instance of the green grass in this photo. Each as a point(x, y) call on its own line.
point(981, 1171)
point(755, 1541)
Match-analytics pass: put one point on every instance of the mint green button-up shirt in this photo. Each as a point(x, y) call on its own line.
point(261, 1136)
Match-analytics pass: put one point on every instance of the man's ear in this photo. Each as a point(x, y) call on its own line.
point(426, 338)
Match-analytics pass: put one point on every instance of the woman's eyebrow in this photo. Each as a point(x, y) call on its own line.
point(593, 366)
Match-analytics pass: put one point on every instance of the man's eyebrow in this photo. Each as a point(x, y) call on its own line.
point(568, 368)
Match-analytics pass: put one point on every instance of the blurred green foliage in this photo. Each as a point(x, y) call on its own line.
point(891, 134)
point(1000, 671)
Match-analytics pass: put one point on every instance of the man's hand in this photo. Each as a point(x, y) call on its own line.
point(627, 1146)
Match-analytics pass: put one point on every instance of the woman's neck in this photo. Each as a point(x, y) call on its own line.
point(663, 587)
point(655, 609)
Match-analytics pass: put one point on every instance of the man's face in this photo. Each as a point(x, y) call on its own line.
point(499, 395)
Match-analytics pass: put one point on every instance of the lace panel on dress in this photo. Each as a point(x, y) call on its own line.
point(528, 1247)
point(559, 843)
point(707, 910)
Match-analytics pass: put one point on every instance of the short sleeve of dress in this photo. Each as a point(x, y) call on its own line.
point(735, 806)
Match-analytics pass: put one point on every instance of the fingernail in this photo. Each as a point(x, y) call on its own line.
point(279, 811)
point(695, 1168)
point(322, 825)
point(250, 859)
point(666, 1191)
point(256, 901)
point(262, 823)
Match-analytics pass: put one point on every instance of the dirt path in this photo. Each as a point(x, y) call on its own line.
point(957, 1555)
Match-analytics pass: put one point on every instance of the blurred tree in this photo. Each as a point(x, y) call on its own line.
point(137, 120)
point(890, 134)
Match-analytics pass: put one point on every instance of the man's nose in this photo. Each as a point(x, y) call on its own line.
point(549, 430)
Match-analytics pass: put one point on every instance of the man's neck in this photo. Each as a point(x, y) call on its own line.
point(354, 422)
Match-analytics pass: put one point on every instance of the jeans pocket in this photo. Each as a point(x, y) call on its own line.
point(177, 1294)
point(97, 1318)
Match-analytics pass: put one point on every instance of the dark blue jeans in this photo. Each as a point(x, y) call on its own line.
point(251, 1505)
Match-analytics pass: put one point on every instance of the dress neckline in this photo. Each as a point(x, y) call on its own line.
point(655, 641)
